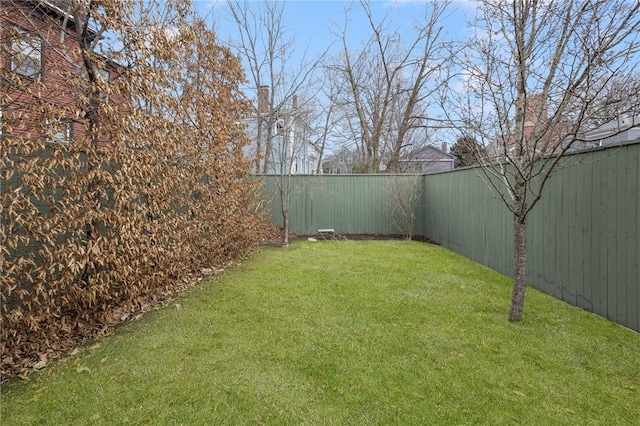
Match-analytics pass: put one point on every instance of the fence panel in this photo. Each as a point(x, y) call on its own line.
point(462, 214)
point(350, 204)
point(582, 237)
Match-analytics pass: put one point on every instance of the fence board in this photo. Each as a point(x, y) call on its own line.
point(568, 251)
point(579, 244)
point(633, 244)
point(598, 253)
point(610, 234)
point(620, 236)
point(627, 220)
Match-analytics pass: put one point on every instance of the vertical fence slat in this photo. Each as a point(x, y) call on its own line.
point(634, 246)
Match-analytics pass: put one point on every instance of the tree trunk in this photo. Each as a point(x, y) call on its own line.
point(259, 143)
point(285, 227)
point(519, 268)
point(267, 154)
point(284, 203)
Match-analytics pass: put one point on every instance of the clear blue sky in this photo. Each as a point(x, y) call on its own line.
point(311, 22)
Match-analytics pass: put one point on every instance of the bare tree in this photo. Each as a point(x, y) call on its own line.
point(536, 76)
point(391, 82)
point(325, 116)
point(268, 51)
point(619, 98)
point(403, 197)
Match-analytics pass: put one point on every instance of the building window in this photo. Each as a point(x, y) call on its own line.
point(60, 131)
point(104, 76)
point(25, 53)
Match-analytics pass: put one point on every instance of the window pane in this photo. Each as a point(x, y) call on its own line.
point(26, 56)
point(104, 76)
point(59, 131)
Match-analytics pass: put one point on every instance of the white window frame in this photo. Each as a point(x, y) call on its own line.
point(59, 131)
point(26, 53)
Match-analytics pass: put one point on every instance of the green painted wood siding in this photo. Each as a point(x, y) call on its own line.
point(582, 242)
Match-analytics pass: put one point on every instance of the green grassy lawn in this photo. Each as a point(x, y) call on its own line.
point(373, 332)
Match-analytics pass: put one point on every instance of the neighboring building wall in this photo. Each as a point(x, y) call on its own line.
point(334, 168)
point(290, 146)
point(426, 160)
point(536, 119)
point(426, 167)
point(30, 30)
point(340, 163)
point(41, 71)
point(288, 149)
point(612, 134)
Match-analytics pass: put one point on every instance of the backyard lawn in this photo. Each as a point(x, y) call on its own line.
point(344, 332)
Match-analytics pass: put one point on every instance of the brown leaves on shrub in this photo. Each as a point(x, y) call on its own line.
point(122, 171)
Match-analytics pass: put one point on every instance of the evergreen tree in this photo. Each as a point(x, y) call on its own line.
point(467, 150)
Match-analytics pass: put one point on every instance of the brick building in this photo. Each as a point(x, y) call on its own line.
point(49, 88)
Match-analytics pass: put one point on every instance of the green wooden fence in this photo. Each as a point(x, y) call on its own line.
point(350, 204)
point(582, 237)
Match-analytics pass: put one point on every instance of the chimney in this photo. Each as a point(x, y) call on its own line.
point(294, 102)
point(444, 147)
point(263, 99)
point(535, 107)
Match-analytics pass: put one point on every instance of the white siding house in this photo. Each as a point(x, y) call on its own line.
point(615, 132)
point(291, 151)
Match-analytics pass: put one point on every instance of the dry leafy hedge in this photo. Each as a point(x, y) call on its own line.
point(150, 189)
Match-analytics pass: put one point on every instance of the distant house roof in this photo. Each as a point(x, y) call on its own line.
point(619, 123)
point(427, 159)
point(614, 126)
point(614, 132)
point(59, 9)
